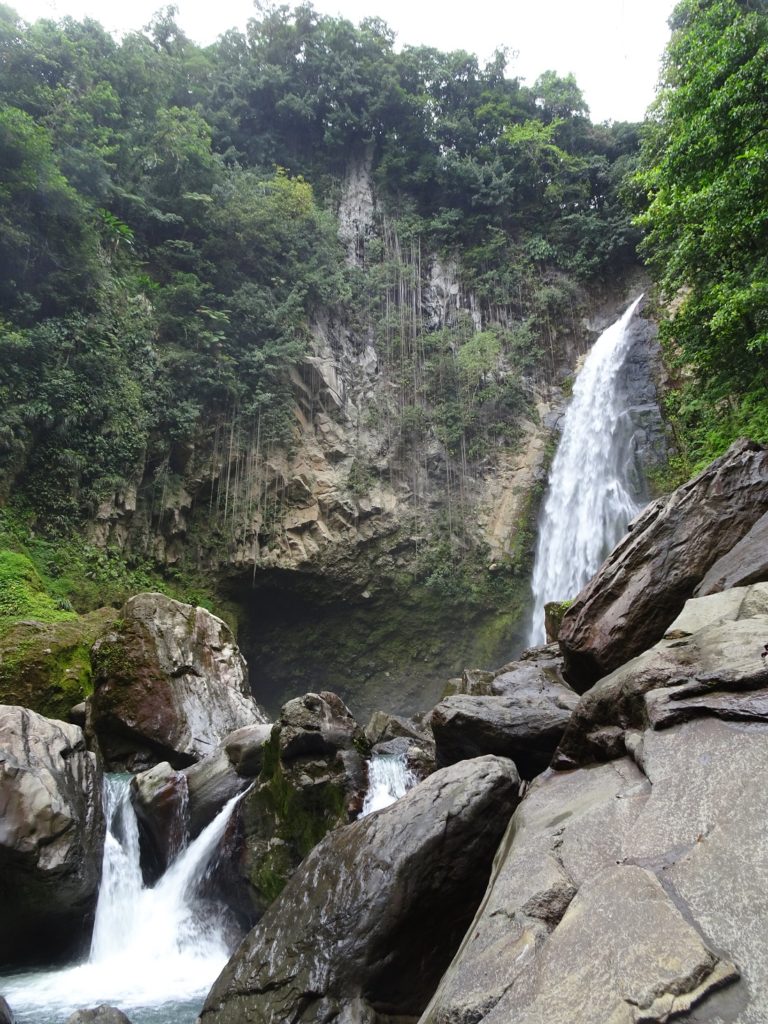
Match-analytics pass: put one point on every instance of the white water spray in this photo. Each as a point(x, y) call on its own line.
point(150, 947)
point(589, 501)
point(389, 779)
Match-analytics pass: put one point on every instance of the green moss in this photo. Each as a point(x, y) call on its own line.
point(47, 666)
point(23, 594)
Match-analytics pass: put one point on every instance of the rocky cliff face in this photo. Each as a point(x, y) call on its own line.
point(357, 508)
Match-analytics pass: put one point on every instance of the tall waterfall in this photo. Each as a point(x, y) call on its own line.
point(389, 778)
point(155, 952)
point(589, 500)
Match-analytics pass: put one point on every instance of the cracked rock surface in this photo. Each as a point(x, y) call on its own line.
point(371, 918)
point(633, 887)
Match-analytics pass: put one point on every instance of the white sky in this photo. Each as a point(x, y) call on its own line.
point(613, 47)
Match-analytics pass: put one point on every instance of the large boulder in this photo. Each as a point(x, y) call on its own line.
point(524, 724)
point(635, 889)
point(669, 548)
point(169, 685)
point(746, 562)
point(103, 1014)
point(369, 922)
point(51, 835)
point(711, 662)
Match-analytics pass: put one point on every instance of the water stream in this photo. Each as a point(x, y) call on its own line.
point(589, 499)
point(155, 952)
point(389, 778)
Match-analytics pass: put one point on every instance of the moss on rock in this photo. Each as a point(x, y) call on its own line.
point(46, 666)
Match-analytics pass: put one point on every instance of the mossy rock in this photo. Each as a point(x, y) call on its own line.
point(553, 617)
point(46, 666)
point(23, 594)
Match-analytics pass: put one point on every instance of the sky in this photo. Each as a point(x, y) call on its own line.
point(613, 47)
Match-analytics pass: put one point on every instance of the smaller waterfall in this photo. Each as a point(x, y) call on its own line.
point(389, 779)
point(589, 500)
point(155, 952)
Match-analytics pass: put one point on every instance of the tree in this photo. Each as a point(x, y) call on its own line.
point(704, 177)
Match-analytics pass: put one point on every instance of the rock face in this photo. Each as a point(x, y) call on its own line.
point(635, 889)
point(524, 721)
point(369, 922)
point(649, 575)
point(746, 562)
point(103, 1014)
point(51, 835)
point(170, 685)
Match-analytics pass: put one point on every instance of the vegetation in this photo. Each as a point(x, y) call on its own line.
point(168, 234)
point(704, 175)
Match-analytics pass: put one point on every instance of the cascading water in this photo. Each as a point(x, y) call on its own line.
point(389, 779)
point(589, 500)
point(155, 952)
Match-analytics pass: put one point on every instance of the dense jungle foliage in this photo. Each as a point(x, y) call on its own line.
point(168, 230)
point(168, 233)
point(704, 183)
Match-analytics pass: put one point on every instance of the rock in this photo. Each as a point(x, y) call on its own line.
point(6, 1016)
point(614, 897)
point(170, 685)
point(383, 727)
point(369, 922)
point(711, 663)
point(174, 806)
point(316, 725)
point(245, 748)
point(649, 575)
point(78, 714)
point(746, 562)
point(524, 723)
point(159, 797)
point(99, 1015)
point(312, 780)
point(51, 835)
point(553, 617)
point(46, 666)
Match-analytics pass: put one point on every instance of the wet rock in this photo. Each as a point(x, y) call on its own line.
point(524, 722)
point(668, 550)
point(746, 562)
point(159, 797)
point(312, 780)
point(368, 923)
point(99, 1015)
point(51, 835)
point(6, 1016)
point(170, 685)
point(410, 738)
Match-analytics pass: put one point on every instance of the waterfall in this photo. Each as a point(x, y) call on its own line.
point(150, 947)
point(589, 499)
point(389, 778)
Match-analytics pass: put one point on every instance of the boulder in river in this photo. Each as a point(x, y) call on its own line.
point(368, 923)
point(169, 685)
point(51, 835)
point(645, 581)
point(103, 1014)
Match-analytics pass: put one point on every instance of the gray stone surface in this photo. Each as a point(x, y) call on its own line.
point(645, 581)
point(169, 685)
point(746, 562)
point(712, 663)
point(370, 920)
point(524, 723)
point(103, 1014)
point(51, 834)
point(635, 890)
